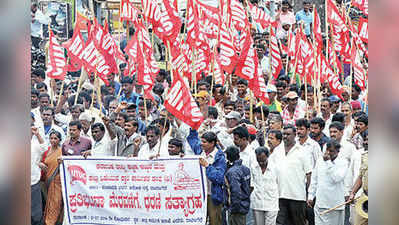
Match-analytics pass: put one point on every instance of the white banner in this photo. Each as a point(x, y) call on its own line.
point(130, 191)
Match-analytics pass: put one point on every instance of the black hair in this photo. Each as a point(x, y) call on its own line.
point(75, 123)
point(210, 137)
point(326, 100)
point(281, 84)
point(302, 122)
point(277, 133)
point(339, 117)
point(242, 81)
point(290, 126)
point(222, 89)
point(35, 92)
point(44, 95)
point(58, 134)
point(232, 153)
point(123, 115)
point(201, 83)
point(265, 110)
point(364, 119)
point(98, 125)
point(86, 96)
point(338, 125)
point(358, 114)
point(158, 89)
point(230, 103)
point(212, 112)
point(176, 142)
point(332, 143)
point(242, 132)
point(260, 150)
point(155, 129)
point(319, 121)
point(40, 85)
point(46, 108)
point(126, 79)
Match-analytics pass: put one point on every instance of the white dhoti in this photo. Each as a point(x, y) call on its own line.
point(335, 217)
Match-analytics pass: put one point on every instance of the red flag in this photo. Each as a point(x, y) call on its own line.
point(334, 17)
point(56, 66)
point(332, 78)
point(246, 67)
point(333, 58)
point(180, 61)
point(146, 72)
point(238, 16)
point(81, 22)
point(258, 84)
point(93, 60)
point(277, 64)
point(358, 71)
point(363, 29)
point(210, 19)
point(181, 103)
point(192, 23)
point(74, 47)
point(166, 24)
point(261, 17)
point(317, 31)
point(363, 5)
point(128, 11)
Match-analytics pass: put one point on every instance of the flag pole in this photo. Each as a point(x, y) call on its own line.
point(326, 22)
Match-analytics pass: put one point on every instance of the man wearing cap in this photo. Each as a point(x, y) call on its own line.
point(356, 106)
point(85, 119)
point(274, 104)
point(335, 103)
point(202, 99)
point(225, 135)
point(293, 110)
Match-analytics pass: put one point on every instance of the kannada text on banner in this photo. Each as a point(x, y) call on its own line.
point(129, 191)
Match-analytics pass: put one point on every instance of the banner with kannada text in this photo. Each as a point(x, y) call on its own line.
point(131, 191)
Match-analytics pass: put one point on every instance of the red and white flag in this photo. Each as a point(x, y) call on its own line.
point(228, 56)
point(261, 17)
point(358, 70)
point(220, 78)
point(74, 47)
point(210, 19)
point(363, 29)
point(334, 17)
point(238, 16)
point(277, 64)
point(181, 103)
point(56, 64)
point(246, 67)
point(128, 11)
point(363, 5)
point(317, 31)
point(332, 78)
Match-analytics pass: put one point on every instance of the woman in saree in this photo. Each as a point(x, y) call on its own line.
point(54, 204)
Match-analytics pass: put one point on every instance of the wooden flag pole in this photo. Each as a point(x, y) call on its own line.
point(289, 44)
point(326, 22)
point(270, 55)
point(251, 107)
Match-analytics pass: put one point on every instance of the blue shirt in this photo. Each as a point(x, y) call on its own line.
point(117, 87)
point(134, 98)
point(306, 17)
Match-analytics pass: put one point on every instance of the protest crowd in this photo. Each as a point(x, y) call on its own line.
point(272, 100)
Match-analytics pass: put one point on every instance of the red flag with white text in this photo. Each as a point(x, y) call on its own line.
point(181, 103)
point(56, 63)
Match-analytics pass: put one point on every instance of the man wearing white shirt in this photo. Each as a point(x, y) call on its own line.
point(309, 145)
point(102, 144)
point(346, 153)
point(294, 172)
point(328, 187)
point(247, 153)
point(274, 140)
point(38, 19)
point(151, 149)
point(264, 197)
point(325, 108)
point(47, 116)
point(38, 146)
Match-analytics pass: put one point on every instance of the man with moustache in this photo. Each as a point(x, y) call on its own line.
point(316, 131)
